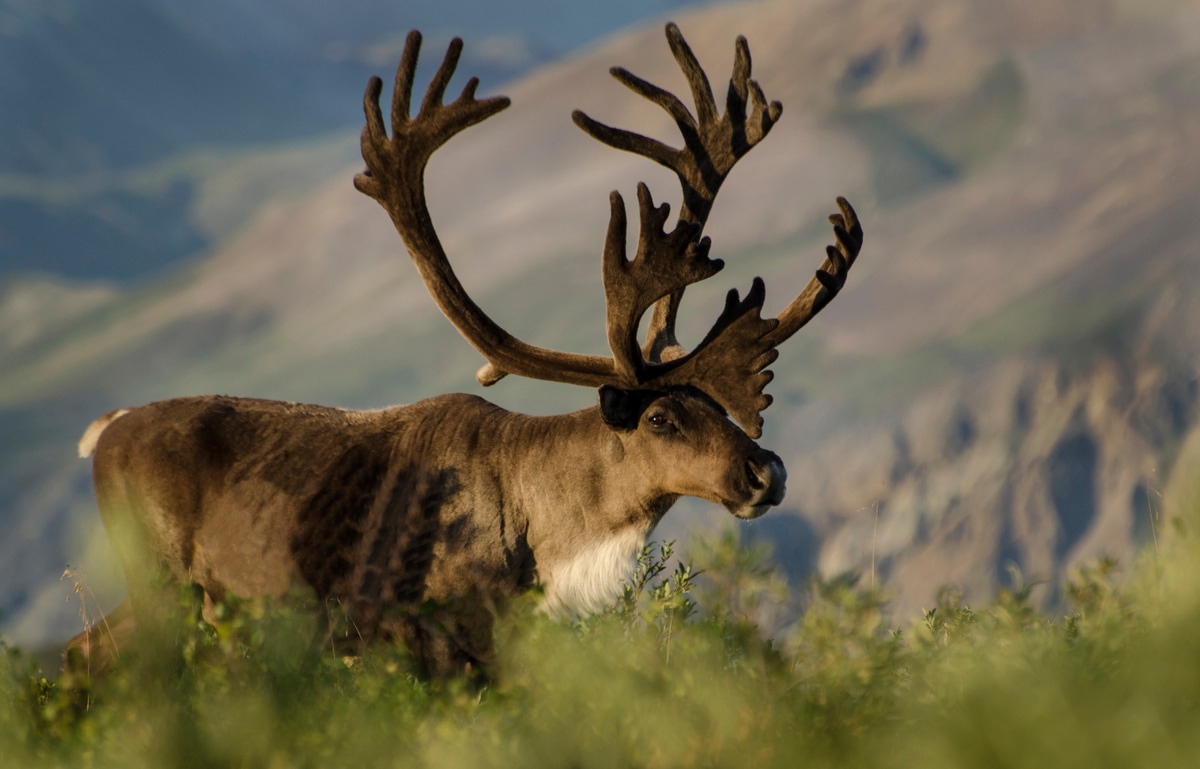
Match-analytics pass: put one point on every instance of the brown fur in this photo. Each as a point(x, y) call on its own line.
point(452, 499)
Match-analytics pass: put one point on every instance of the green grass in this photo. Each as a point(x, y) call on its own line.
point(676, 674)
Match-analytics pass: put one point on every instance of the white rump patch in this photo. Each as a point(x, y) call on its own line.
point(87, 444)
point(592, 580)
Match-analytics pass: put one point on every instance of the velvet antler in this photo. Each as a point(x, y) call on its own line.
point(712, 144)
point(730, 363)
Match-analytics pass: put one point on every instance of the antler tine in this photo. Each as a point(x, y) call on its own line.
point(712, 145)
point(830, 278)
point(702, 95)
point(406, 71)
point(437, 86)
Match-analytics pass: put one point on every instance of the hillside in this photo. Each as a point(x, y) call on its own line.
point(111, 113)
point(1007, 379)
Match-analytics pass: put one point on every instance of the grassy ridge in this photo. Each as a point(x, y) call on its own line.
point(655, 682)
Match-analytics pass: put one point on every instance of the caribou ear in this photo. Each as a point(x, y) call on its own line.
point(620, 408)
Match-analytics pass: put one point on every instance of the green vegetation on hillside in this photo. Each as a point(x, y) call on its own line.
point(918, 145)
point(132, 222)
point(659, 681)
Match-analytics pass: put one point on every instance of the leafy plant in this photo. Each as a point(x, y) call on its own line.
point(676, 673)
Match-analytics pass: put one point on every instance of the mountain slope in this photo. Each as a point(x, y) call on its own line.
point(104, 108)
point(94, 87)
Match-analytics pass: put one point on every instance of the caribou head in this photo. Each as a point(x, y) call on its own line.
point(681, 439)
point(452, 499)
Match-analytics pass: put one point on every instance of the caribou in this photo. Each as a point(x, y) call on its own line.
point(453, 501)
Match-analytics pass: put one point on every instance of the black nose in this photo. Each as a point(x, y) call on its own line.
point(767, 477)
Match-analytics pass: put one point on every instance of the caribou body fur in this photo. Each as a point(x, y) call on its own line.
point(450, 499)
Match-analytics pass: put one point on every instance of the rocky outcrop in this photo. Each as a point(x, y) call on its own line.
point(1024, 467)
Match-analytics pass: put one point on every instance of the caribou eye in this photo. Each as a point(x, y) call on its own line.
point(658, 421)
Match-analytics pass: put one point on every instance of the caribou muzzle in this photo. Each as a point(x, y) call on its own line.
point(766, 478)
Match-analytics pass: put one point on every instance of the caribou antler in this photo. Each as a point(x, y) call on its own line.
point(730, 363)
point(712, 145)
point(828, 281)
point(666, 262)
point(395, 178)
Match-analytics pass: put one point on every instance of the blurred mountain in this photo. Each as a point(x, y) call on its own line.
point(1003, 389)
point(94, 87)
point(109, 111)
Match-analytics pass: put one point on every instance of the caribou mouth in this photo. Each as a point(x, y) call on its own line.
point(751, 512)
point(758, 506)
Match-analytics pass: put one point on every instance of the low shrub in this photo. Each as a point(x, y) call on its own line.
point(676, 673)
